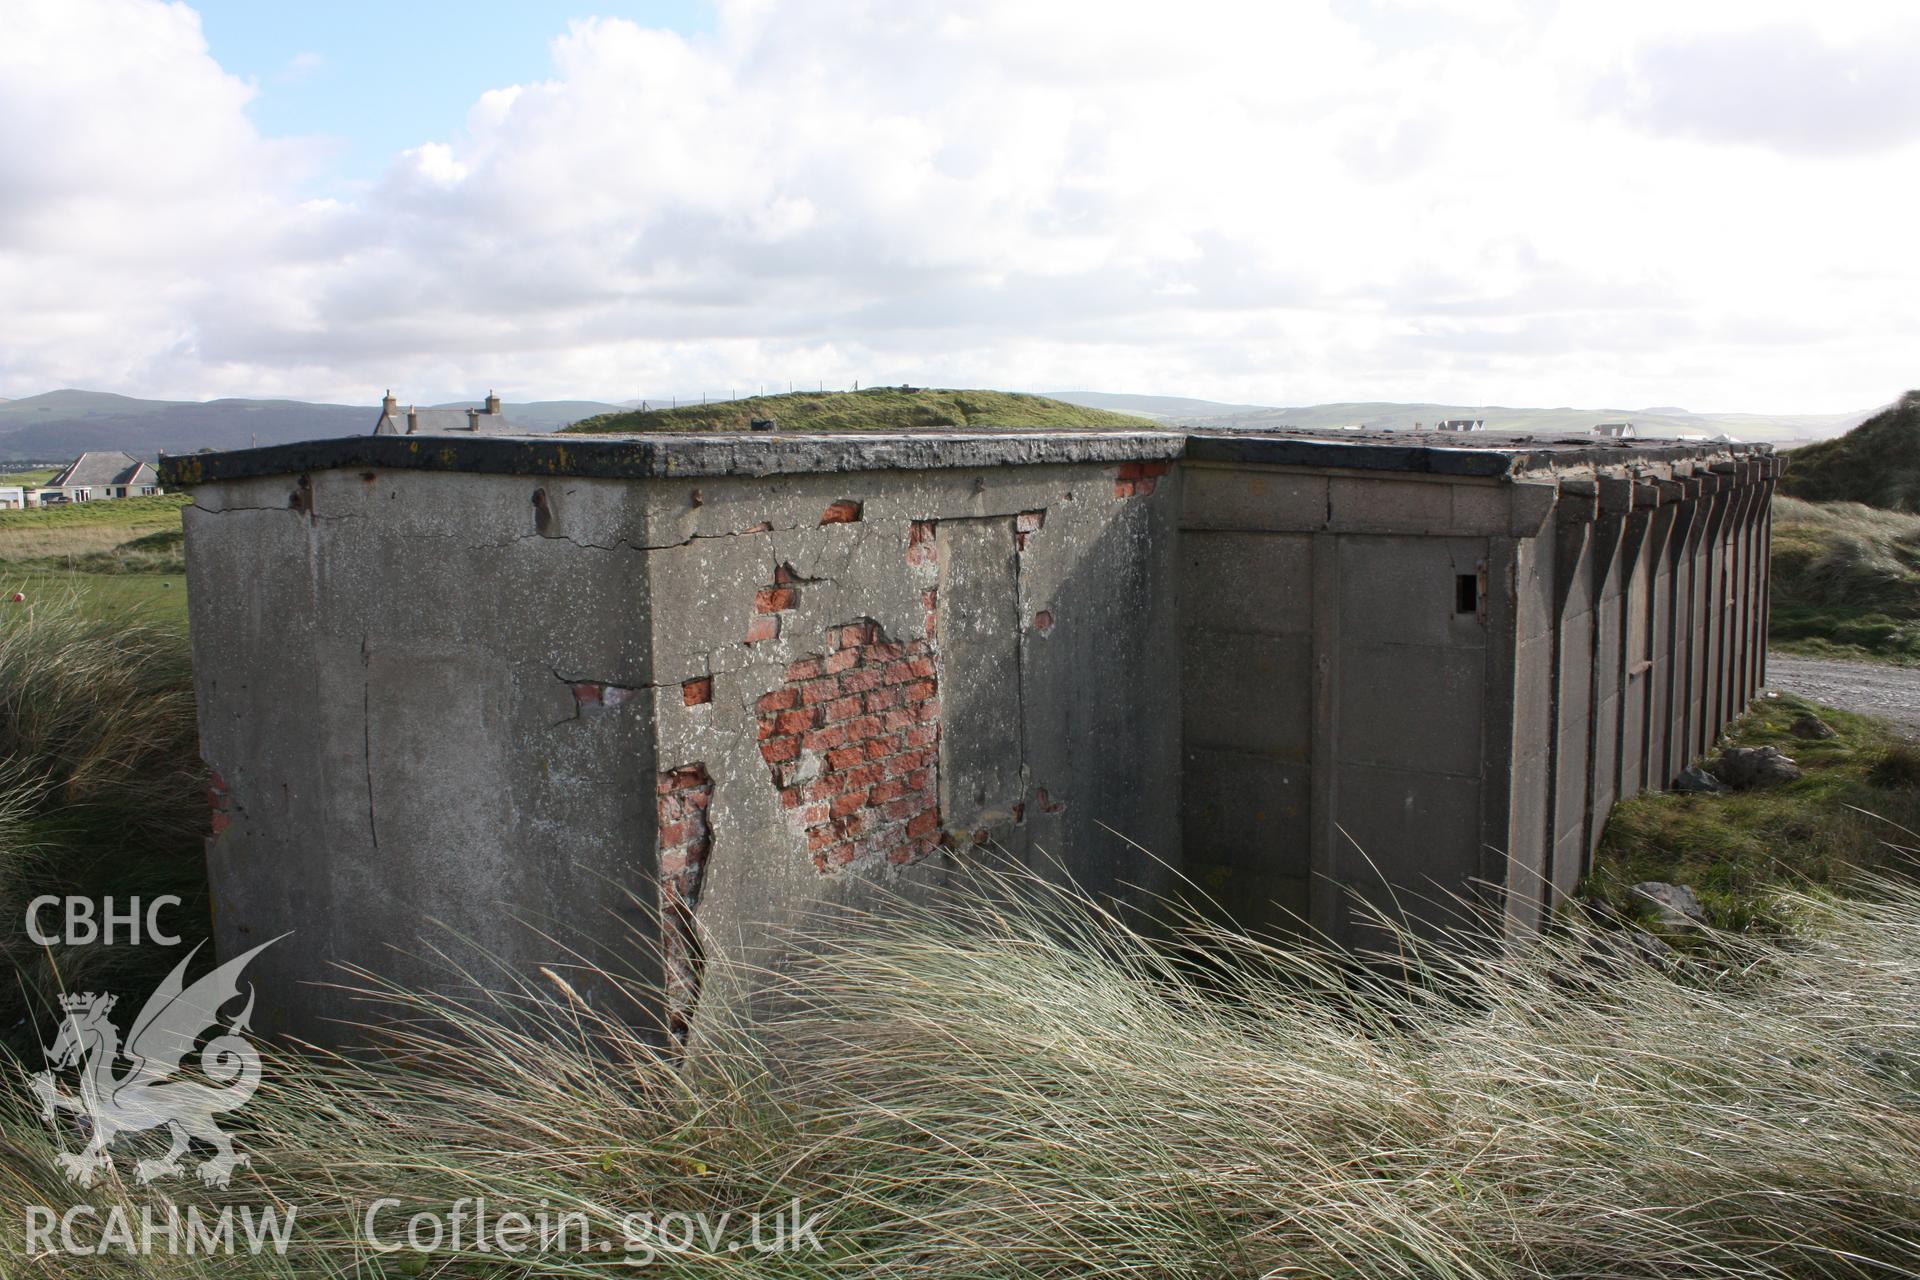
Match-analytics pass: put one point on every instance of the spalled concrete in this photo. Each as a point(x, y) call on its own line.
point(558, 693)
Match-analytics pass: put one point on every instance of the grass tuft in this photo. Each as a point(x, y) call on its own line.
point(101, 794)
point(1897, 768)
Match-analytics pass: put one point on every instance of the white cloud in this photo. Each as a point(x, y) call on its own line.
point(1369, 199)
point(301, 66)
point(1783, 86)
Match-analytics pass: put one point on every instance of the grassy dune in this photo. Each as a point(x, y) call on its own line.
point(1846, 581)
point(875, 409)
point(1877, 463)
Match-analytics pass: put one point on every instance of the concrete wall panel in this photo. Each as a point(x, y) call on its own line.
point(1247, 833)
point(1252, 499)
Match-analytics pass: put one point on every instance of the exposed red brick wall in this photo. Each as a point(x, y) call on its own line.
point(845, 511)
point(683, 797)
point(1137, 479)
point(852, 739)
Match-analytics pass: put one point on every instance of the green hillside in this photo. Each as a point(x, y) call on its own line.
point(1846, 581)
point(1876, 463)
point(873, 409)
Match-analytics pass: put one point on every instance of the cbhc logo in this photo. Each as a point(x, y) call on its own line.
point(83, 923)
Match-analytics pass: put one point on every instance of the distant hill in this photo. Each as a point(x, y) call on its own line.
point(1877, 463)
point(60, 424)
point(63, 424)
point(1664, 421)
point(874, 409)
point(1166, 408)
point(535, 415)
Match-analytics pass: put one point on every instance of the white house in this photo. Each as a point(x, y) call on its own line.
point(103, 474)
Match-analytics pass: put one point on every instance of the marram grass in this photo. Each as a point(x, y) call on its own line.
point(1038, 1090)
point(101, 796)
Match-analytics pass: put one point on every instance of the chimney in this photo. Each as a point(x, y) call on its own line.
point(493, 405)
point(389, 406)
point(413, 419)
point(473, 420)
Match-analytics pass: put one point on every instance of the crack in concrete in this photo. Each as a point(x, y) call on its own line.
point(627, 544)
point(310, 515)
point(366, 740)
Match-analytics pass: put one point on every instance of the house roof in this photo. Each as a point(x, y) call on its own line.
point(101, 469)
point(442, 422)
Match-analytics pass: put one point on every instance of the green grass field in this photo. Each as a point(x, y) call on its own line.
point(119, 557)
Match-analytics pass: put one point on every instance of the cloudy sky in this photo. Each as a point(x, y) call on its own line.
point(1606, 203)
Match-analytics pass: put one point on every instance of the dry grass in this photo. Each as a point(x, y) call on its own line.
point(1039, 1091)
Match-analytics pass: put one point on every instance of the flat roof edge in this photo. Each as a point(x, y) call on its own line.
point(744, 454)
point(1427, 454)
point(670, 456)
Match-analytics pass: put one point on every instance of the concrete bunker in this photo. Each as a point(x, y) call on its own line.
point(681, 688)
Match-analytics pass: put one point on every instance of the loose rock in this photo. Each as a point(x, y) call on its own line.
point(1695, 779)
point(1667, 906)
point(1812, 727)
point(1745, 767)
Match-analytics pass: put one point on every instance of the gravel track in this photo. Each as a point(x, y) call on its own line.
point(1870, 688)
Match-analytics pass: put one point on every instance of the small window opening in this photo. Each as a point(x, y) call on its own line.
point(1466, 593)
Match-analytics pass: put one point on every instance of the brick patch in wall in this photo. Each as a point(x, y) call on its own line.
point(920, 546)
point(588, 694)
point(219, 802)
point(845, 511)
point(1026, 525)
point(1137, 479)
point(683, 798)
point(851, 738)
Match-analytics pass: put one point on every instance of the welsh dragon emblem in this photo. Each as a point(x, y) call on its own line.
point(113, 1103)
